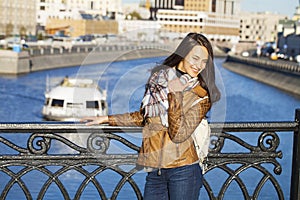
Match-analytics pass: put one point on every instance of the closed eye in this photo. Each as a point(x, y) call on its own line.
point(196, 57)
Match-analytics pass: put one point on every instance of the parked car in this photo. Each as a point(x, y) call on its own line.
point(62, 42)
point(267, 51)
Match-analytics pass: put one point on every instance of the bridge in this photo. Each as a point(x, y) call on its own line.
point(48, 159)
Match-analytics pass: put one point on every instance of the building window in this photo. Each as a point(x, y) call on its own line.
point(213, 6)
point(103, 105)
point(92, 5)
point(179, 2)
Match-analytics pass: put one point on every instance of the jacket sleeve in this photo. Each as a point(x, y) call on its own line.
point(182, 124)
point(126, 119)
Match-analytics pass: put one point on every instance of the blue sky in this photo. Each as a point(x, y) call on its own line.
point(286, 7)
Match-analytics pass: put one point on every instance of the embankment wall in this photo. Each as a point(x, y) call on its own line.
point(77, 59)
point(12, 62)
point(48, 58)
point(19, 63)
point(279, 74)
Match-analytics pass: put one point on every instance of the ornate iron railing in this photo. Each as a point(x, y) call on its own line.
point(75, 161)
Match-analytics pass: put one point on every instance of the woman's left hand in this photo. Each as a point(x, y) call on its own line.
point(94, 120)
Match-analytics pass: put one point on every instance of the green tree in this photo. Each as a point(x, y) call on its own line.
point(22, 31)
point(40, 36)
point(134, 15)
point(9, 29)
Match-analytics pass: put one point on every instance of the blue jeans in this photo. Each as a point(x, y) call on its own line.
point(174, 184)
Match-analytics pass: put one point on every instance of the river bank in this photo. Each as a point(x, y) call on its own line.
point(282, 75)
point(15, 63)
point(279, 74)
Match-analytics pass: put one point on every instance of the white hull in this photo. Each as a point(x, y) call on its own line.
point(74, 100)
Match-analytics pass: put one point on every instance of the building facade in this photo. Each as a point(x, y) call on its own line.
point(77, 9)
point(17, 18)
point(140, 30)
point(296, 16)
point(289, 36)
point(75, 28)
point(259, 27)
point(218, 19)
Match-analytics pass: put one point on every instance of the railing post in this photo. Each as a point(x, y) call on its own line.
point(295, 190)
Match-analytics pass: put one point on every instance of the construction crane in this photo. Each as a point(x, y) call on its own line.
point(148, 4)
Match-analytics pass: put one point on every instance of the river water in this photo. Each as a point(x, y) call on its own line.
point(243, 99)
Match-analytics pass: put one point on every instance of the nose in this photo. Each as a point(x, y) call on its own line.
point(200, 65)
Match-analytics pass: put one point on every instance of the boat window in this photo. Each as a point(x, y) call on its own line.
point(92, 104)
point(47, 101)
point(57, 103)
point(103, 105)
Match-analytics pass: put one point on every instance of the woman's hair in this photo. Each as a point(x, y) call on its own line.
point(207, 76)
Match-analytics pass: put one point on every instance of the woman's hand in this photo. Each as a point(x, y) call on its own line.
point(95, 120)
point(176, 85)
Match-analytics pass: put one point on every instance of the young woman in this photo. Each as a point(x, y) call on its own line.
point(178, 95)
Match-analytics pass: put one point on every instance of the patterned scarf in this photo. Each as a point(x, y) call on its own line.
point(155, 102)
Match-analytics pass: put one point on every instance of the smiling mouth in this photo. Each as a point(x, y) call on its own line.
point(196, 69)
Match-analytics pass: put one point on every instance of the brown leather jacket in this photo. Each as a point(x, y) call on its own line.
point(170, 147)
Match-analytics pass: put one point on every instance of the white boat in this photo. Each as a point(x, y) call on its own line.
point(73, 99)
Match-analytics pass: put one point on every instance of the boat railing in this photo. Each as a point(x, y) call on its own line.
point(75, 161)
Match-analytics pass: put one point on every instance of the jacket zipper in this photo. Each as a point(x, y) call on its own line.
point(161, 155)
point(177, 150)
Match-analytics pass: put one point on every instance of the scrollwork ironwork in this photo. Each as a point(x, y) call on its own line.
point(41, 141)
point(13, 146)
point(93, 160)
point(216, 143)
point(98, 143)
point(264, 139)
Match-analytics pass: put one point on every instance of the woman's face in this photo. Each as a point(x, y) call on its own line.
point(195, 61)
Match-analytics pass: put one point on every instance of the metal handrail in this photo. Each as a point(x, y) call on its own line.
point(37, 155)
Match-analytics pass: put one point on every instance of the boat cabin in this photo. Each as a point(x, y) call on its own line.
point(74, 99)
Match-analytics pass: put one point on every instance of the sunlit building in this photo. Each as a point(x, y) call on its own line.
point(218, 19)
point(262, 27)
point(289, 36)
point(50, 12)
point(17, 18)
point(296, 16)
